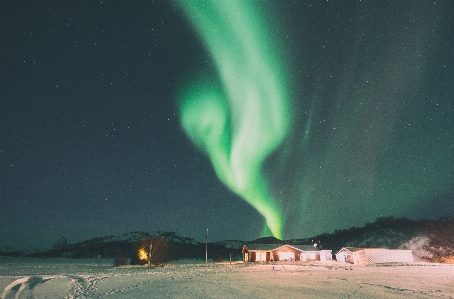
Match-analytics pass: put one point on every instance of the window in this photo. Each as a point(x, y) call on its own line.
point(286, 256)
point(260, 256)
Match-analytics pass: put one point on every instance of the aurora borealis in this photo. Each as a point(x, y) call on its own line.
point(245, 117)
point(358, 165)
point(239, 128)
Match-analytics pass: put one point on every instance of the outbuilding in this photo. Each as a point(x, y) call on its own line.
point(367, 256)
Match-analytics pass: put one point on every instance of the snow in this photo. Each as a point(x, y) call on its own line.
point(71, 279)
point(416, 245)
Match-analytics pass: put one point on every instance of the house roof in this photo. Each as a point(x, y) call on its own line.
point(272, 247)
point(354, 249)
point(349, 249)
point(306, 247)
point(262, 247)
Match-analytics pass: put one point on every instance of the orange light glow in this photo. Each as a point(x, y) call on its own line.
point(143, 254)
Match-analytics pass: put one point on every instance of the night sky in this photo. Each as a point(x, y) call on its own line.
point(251, 118)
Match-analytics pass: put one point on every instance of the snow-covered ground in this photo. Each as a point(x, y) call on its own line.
point(69, 278)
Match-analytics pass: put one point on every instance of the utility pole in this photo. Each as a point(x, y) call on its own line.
point(149, 255)
point(206, 248)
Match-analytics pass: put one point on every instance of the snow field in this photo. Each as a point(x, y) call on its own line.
point(72, 279)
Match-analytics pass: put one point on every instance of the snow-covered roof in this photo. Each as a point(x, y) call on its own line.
point(273, 247)
point(349, 249)
point(299, 247)
point(354, 249)
point(262, 247)
point(306, 247)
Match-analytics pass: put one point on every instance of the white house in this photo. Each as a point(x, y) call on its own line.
point(273, 252)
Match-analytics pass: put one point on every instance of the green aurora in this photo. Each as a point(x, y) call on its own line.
point(241, 122)
point(246, 117)
point(362, 129)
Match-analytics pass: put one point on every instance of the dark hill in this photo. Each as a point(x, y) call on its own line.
point(385, 232)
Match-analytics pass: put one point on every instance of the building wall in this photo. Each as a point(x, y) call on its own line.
point(260, 256)
point(388, 256)
point(342, 257)
point(377, 256)
point(287, 254)
point(326, 255)
point(360, 257)
point(345, 256)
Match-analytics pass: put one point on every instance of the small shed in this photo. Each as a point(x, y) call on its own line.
point(367, 256)
point(345, 255)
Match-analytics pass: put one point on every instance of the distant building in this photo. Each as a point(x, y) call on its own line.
point(367, 256)
point(273, 252)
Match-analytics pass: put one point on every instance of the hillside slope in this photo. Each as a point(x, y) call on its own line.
point(385, 232)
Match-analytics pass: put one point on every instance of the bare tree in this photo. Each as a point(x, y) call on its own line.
point(159, 252)
point(152, 251)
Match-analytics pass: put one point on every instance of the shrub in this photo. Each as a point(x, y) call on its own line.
point(160, 252)
point(121, 259)
point(218, 258)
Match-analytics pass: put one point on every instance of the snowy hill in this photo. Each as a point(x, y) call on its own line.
point(126, 244)
point(385, 232)
point(448, 217)
point(231, 244)
point(17, 249)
